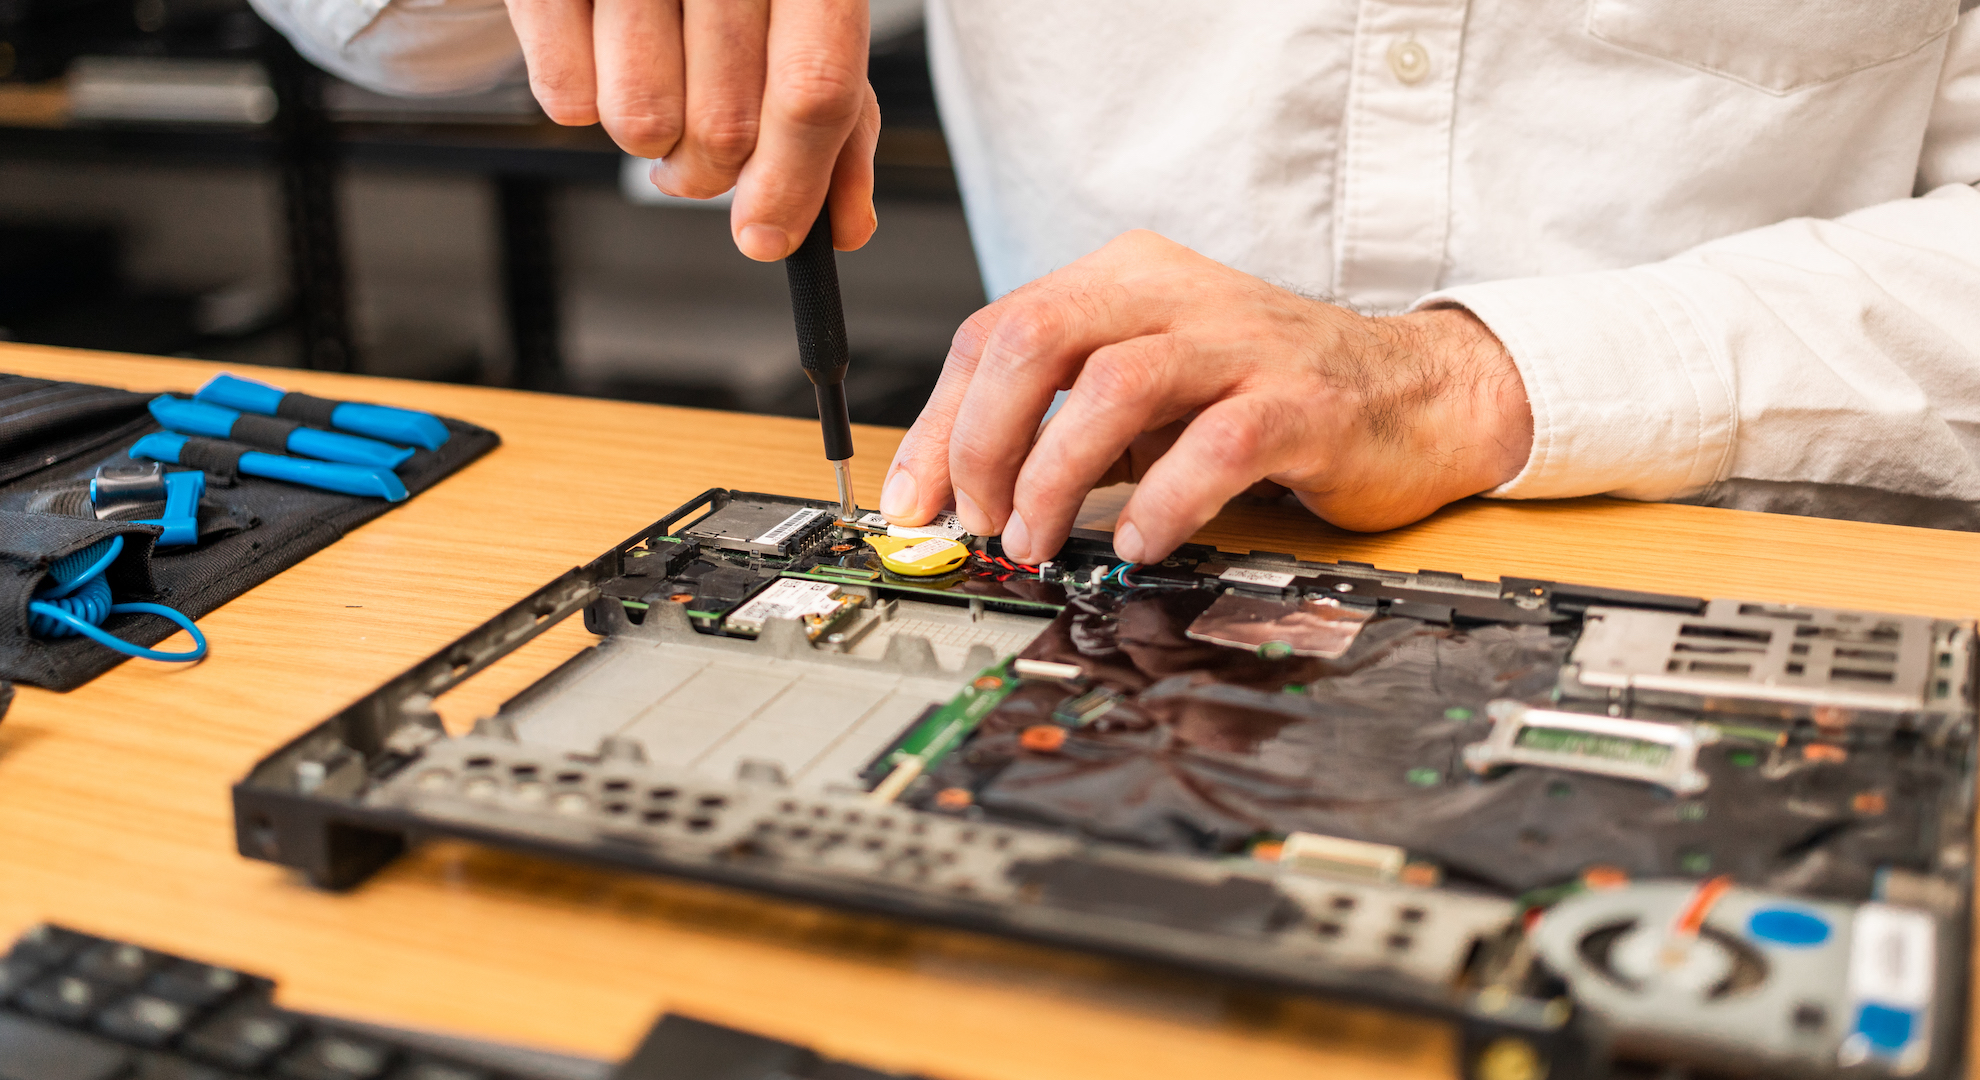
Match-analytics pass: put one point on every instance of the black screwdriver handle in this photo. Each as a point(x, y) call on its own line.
point(821, 320)
point(821, 331)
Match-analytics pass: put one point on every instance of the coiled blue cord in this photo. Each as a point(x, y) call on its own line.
point(79, 601)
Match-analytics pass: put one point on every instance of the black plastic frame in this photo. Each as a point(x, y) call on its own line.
point(336, 843)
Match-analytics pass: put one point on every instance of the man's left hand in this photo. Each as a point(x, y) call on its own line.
point(1202, 382)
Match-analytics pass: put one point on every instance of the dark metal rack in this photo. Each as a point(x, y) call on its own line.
point(525, 161)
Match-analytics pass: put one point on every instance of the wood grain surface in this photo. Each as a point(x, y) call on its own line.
point(114, 798)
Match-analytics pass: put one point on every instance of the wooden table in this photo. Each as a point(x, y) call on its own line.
point(114, 798)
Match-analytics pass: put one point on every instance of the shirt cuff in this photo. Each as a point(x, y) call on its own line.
point(1627, 397)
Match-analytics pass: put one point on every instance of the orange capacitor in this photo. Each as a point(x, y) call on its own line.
point(1043, 738)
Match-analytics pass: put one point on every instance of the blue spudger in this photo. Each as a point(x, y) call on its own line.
point(408, 427)
point(189, 417)
point(327, 475)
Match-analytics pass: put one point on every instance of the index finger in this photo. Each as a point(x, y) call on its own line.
point(918, 480)
point(1040, 342)
point(556, 43)
point(814, 90)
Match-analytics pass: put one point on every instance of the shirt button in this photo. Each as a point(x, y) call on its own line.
point(1410, 61)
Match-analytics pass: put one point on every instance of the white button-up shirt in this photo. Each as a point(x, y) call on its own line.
point(1733, 248)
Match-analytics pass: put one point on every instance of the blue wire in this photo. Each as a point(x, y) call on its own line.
point(77, 604)
point(67, 580)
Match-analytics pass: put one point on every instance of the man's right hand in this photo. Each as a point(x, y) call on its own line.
point(766, 96)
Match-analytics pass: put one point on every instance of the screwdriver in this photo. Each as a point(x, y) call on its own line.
point(822, 351)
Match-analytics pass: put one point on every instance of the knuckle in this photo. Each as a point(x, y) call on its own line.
point(1024, 337)
point(1118, 377)
point(569, 114)
point(726, 137)
point(566, 105)
point(973, 457)
point(819, 89)
point(654, 130)
point(1231, 438)
point(969, 337)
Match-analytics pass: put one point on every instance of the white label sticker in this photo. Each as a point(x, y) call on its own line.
point(1273, 578)
point(788, 598)
point(875, 520)
point(922, 550)
point(1891, 956)
point(789, 526)
point(945, 526)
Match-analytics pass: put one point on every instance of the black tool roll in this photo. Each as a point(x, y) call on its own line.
point(54, 436)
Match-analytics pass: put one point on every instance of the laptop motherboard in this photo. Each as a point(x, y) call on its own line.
point(1585, 825)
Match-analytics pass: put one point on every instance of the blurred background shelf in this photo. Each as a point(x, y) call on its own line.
point(465, 239)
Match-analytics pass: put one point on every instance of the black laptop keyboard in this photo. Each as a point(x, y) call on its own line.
point(77, 1007)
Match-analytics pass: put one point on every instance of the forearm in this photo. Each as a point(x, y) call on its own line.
point(1841, 352)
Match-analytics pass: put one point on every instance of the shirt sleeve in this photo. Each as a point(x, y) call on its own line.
point(405, 47)
point(1843, 353)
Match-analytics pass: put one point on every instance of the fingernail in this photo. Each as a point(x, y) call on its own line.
point(872, 217)
point(764, 243)
point(1017, 538)
point(1128, 544)
point(898, 498)
point(971, 517)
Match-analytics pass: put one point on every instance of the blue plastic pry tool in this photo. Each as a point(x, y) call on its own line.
point(189, 417)
point(407, 427)
point(327, 475)
point(180, 491)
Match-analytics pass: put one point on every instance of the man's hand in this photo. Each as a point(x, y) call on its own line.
point(768, 98)
point(1202, 382)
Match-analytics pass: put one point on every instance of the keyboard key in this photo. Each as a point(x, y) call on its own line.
point(36, 1051)
point(244, 1038)
point(17, 972)
point(164, 1067)
point(439, 1070)
point(199, 986)
point(333, 1056)
point(144, 1020)
point(47, 946)
point(115, 964)
point(66, 998)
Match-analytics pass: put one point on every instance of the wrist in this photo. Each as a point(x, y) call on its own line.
point(1478, 425)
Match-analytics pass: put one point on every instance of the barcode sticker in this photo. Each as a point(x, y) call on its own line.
point(945, 526)
point(1273, 578)
point(790, 525)
point(920, 551)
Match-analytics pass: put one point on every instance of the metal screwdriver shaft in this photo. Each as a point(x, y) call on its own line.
point(822, 350)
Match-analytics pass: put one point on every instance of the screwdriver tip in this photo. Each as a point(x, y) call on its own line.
point(848, 510)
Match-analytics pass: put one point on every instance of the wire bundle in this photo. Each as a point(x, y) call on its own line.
point(78, 600)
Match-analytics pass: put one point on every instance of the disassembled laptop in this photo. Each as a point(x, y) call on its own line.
point(1585, 824)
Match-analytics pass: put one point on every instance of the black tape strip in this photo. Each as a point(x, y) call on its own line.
point(311, 410)
point(263, 432)
point(219, 460)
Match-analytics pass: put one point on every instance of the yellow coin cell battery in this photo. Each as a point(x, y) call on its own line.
point(914, 557)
